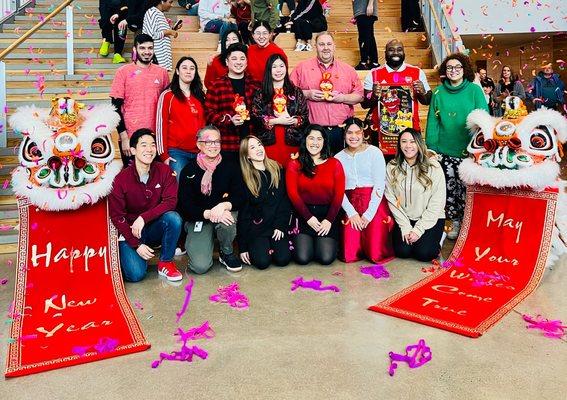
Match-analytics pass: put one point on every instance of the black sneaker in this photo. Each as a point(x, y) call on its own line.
point(361, 66)
point(230, 261)
point(374, 65)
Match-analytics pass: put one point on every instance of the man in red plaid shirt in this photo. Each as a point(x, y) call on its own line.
point(229, 100)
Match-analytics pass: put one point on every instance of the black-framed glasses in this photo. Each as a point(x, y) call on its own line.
point(210, 143)
point(456, 68)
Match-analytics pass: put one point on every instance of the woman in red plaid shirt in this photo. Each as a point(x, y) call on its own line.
point(229, 101)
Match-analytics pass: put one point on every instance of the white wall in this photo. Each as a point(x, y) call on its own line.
point(508, 16)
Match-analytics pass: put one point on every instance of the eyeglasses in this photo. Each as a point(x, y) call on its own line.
point(210, 143)
point(456, 68)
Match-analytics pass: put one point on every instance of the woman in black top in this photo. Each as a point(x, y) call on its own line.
point(210, 195)
point(264, 218)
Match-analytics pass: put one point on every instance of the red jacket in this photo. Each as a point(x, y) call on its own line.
point(219, 108)
point(215, 70)
point(131, 198)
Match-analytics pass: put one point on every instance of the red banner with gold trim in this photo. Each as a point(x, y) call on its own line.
point(498, 260)
point(70, 306)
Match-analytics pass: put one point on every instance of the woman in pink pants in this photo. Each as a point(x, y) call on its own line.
point(367, 222)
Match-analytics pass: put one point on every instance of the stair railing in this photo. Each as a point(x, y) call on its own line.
point(441, 30)
point(10, 8)
point(70, 57)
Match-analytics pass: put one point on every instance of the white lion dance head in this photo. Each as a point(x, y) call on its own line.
point(519, 150)
point(66, 156)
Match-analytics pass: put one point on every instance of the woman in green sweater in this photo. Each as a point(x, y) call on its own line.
point(447, 132)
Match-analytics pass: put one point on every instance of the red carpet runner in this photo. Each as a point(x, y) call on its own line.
point(70, 306)
point(500, 257)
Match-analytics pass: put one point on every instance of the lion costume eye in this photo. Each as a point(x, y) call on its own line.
point(31, 151)
point(478, 141)
point(101, 148)
point(541, 139)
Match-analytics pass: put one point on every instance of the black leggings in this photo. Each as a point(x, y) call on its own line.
point(245, 32)
point(366, 40)
point(304, 29)
point(320, 249)
point(259, 251)
point(425, 249)
point(110, 34)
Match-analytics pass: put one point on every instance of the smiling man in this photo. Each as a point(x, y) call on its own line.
point(142, 208)
point(135, 92)
point(331, 87)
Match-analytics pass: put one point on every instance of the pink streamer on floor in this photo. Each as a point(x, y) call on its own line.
point(230, 295)
point(552, 329)
point(314, 284)
point(482, 278)
point(416, 356)
point(104, 345)
point(188, 289)
point(377, 271)
point(186, 353)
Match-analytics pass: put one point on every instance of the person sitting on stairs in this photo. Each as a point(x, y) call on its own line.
point(113, 25)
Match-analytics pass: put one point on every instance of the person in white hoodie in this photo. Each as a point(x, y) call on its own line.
point(214, 16)
point(415, 190)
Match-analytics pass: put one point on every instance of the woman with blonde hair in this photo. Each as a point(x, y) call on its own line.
point(264, 218)
point(415, 190)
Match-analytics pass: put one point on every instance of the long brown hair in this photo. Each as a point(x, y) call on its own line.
point(422, 160)
point(250, 174)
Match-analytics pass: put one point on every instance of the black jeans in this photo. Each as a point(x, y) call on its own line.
point(261, 257)
point(425, 249)
point(366, 40)
point(110, 34)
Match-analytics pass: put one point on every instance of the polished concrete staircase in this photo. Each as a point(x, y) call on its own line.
point(43, 59)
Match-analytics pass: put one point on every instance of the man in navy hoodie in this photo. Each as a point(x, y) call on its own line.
point(142, 207)
point(547, 90)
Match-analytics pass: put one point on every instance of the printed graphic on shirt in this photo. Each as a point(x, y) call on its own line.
point(395, 110)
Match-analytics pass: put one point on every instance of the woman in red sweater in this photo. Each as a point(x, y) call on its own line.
point(260, 52)
point(316, 185)
point(180, 114)
point(216, 67)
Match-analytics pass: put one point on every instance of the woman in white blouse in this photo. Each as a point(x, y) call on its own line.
point(368, 222)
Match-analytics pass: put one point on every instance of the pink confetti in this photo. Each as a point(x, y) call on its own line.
point(551, 329)
point(101, 126)
point(377, 271)
point(27, 337)
point(416, 356)
point(138, 305)
point(5, 227)
point(186, 353)
point(482, 278)
point(34, 226)
point(313, 285)
point(532, 29)
point(188, 290)
point(3, 281)
point(230, 295)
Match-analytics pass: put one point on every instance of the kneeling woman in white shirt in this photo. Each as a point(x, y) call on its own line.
point(368, 222)
point(415, 189)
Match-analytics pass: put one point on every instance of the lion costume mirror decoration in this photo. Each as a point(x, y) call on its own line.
point(66, 155)
point(520, 149)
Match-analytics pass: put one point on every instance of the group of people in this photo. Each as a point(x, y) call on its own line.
point(280, 166)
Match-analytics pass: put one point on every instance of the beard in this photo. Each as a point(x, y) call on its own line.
point(395, 63)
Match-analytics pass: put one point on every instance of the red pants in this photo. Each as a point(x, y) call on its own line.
point(374, 242)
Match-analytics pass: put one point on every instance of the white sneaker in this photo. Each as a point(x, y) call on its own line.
point(299, 47)
point(454, 232)
point(308, 47)
point(179, 252)
point(443, 236)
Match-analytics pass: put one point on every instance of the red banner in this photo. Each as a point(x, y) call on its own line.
point(70, 306)
point(498, 260)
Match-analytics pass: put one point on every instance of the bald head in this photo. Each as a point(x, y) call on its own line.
point(395, 54)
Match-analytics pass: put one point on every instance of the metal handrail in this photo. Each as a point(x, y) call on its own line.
point(34, 29)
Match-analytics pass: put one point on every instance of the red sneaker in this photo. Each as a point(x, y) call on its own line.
point(169, 270)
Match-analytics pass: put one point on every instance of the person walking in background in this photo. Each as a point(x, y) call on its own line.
point(156, 25)
point(135, 92)
point(262, 50)
point(279, 112)
point(142, 208)
point(508, 85)
point(366, 228)
point(447, 132)
point(547, 90)
point(113, 25)
point(331, 87)
point(210, 196)
point(216, 66)
point(264, 219)
point(366, 14)
point(316, 185)
point(180, 114)
point(306, 19)
point(415, 189)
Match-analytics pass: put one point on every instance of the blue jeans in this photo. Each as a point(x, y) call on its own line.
point(219, 26)
point(163, 231)
point(193, 11)
point(182, 158)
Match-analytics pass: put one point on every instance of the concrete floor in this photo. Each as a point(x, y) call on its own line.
point(311, 345)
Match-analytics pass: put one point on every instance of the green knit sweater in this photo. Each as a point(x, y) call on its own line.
point(447, 131)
